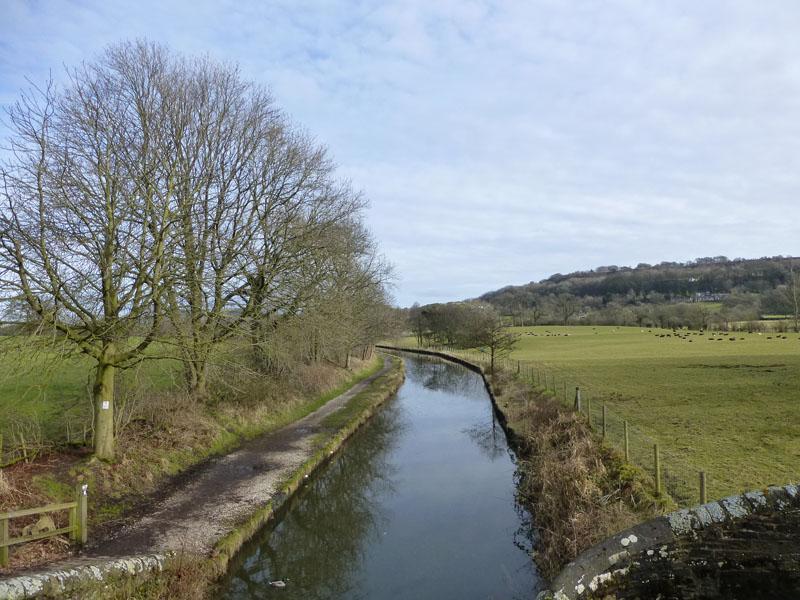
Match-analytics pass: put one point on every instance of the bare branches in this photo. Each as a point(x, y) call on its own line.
point(159, 197)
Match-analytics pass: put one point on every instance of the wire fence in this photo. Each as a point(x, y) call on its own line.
point(684, 483)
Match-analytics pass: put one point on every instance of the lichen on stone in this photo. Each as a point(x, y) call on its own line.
point(757, 498)
point(735, 506)
point(681, 521)
point(703, 516)
point(716, 512)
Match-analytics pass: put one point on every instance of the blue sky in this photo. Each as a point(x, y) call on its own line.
point(501, 142)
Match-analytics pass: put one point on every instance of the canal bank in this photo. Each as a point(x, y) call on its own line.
point(187, 539)
point(580, 489)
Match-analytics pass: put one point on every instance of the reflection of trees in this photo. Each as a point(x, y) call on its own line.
point(490, 438)
point(444, 376)
point(320, 543)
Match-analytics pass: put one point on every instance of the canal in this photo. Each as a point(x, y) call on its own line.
point(420, 503)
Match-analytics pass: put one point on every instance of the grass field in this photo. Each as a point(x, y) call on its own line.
point(731, 408)
point(44, 392)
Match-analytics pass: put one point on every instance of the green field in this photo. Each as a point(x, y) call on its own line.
point(730, 408)
point(45, 394)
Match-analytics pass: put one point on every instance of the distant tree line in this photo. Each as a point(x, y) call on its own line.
point(157, 205)
point(665, 295)
point(460, 325)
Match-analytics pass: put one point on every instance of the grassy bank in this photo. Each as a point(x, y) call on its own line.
point(171, 432)
point(579, 489)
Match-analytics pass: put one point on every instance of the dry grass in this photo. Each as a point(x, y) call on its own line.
point(579, 489)
point(189, 581)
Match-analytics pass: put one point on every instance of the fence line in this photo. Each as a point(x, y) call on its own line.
point(77, 528)
point(673, 476)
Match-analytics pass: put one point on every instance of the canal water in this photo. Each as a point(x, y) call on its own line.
point(418, 504)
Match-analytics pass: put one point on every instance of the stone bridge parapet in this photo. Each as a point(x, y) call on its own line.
point(745, 546)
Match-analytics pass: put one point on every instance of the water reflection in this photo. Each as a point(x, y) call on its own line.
point(321, 542)
point(420, 504)
point(490, 438)
point(441, 375)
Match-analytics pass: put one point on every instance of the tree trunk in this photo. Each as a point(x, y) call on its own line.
point(195, 369)
point(190, 372)
point(104, 406)
point(201, 385)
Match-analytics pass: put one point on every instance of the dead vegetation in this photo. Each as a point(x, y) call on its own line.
point(579, 489)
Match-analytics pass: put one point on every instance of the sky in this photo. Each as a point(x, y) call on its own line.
point(499, 142)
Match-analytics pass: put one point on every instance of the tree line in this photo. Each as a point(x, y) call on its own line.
point(461, 325)
point(157, 205)
point(665, 295)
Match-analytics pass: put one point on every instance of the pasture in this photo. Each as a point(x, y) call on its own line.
point(45, 393)
point(725, 403)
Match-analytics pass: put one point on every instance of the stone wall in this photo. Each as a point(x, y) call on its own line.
point(85, 582)
point(744, 546)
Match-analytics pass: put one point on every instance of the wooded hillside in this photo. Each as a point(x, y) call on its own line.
point(696, 293)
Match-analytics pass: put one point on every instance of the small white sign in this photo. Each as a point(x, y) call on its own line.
point(105, 405)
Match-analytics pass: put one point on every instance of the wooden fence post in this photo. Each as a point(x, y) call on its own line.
point(604, 420)
point(658, 469)
point(577, 399)
point(4, 538)
point(627, 447)
point(703, 498)
point(73, 519)
point(82, 513)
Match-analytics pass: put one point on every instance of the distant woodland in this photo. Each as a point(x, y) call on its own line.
point(711, 292)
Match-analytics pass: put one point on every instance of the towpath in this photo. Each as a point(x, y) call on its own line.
point(220, 494)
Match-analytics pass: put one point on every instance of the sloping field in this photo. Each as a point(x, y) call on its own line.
point(730, 408)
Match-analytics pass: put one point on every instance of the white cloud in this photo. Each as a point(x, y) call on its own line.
point(500, 142)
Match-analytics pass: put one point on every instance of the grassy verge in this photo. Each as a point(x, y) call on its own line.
point(579, 489)
point(172, 432)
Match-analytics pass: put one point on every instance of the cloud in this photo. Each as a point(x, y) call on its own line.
point(500, 142)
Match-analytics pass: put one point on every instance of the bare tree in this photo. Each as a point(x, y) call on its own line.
point(159, 193)
point(86, 213)
point(416, 320)
point(348, 303)
point(793, 294)
point(566, 305)
point(490, 333)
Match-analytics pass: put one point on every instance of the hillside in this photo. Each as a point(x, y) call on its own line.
point(715, 289)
